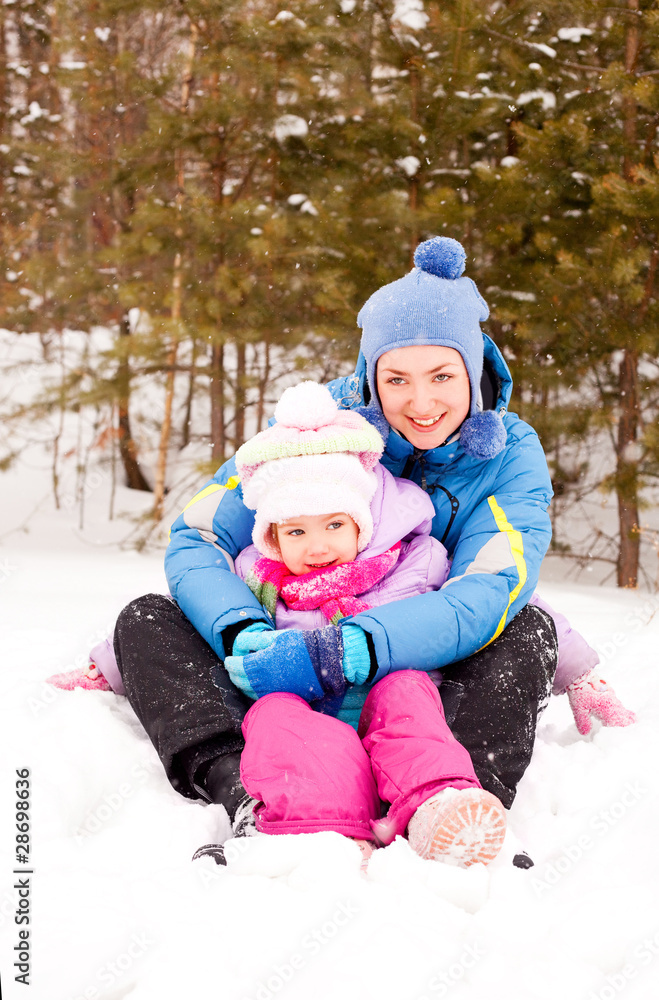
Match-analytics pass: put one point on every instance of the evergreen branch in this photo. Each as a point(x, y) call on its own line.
point(649, 285)
point(584, 67)
point(245, 181)
point(603, 393)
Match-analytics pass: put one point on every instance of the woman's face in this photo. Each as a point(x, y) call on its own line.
point(424, 392)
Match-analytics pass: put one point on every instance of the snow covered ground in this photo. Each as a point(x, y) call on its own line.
point(117, 909)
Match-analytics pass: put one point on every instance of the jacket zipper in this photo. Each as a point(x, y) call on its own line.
point(418, 455)
point(410, 463)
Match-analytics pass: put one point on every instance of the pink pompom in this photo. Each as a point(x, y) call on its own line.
point(306, 406)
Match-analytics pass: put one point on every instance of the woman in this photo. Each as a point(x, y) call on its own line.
point(438, 390)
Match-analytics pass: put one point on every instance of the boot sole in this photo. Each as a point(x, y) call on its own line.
point(468, 831)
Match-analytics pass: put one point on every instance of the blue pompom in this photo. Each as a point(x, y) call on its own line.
point(483, 435)
point(441, 256)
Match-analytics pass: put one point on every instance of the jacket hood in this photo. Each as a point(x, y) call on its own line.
point(400, 511)
point(423, 308)
point(496, 388)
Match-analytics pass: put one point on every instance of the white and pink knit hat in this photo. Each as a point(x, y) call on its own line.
point(317, 459)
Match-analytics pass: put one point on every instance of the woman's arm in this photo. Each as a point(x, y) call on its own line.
point(205, 539)
point(494, 572)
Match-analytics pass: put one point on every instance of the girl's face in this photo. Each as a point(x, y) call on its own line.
point(316, 541)
point(424, 392)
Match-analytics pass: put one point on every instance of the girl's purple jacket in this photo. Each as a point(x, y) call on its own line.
point(401, 513)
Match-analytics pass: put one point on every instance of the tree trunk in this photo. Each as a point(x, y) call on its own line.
point(627, 459)
point(113, 466)
point(176, 310)
point(263, 385)
point(414, 181)
point(632, 41)
point(187, 418)
point(170, 378)
point(127, 449)
point(240, 397)
point(218, 429)
point(3, 84)
point(60, 427)
point(627, 473)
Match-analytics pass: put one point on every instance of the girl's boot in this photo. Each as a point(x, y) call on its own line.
point(459, 826)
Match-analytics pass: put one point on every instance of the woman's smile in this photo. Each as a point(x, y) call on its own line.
point(425, 425)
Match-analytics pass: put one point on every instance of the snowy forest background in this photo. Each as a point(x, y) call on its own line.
point(196, 198)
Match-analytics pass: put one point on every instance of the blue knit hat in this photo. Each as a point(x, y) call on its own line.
point(434, 305)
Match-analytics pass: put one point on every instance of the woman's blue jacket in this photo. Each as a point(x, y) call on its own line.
point(490, 514)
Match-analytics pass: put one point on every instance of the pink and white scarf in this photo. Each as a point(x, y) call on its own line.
point(334, 590)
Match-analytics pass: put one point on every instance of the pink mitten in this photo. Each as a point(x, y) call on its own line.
point(591, 696)
point(90, 678)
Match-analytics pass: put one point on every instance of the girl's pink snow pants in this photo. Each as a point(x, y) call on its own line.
point(313, 772)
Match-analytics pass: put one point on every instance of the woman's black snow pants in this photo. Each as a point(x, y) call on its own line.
point(184, 698)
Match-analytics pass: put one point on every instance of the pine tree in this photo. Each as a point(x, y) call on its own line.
point(115, 68)
point(32, 181)
point(229, 239)
point(578, 231)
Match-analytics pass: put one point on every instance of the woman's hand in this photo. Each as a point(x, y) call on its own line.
point(257, 636)
point(591, 696)
point(309, 664)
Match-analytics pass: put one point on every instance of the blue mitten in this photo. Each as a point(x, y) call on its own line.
point(356, 657)
point(309, 664)
point(256, 636)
